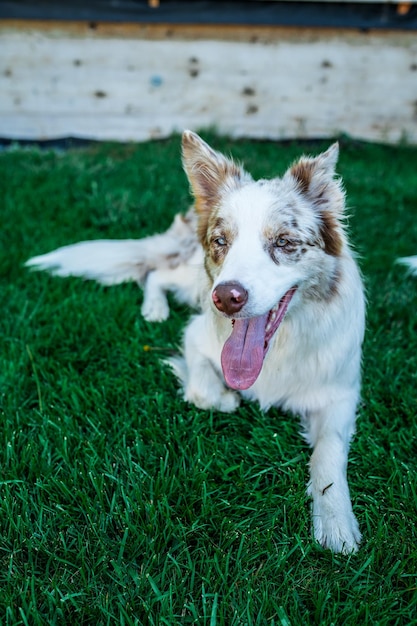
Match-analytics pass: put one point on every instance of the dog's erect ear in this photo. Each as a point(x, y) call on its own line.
point(209, 172)
point(313, 174)
point(315, 179)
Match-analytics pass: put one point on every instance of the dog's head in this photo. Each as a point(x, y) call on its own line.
point(267, 244)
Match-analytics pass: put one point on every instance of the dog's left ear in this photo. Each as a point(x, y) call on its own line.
point(315, 179)
point(313, 174)
point(209, 172)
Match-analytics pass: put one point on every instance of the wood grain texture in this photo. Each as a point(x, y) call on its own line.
point(135, 83)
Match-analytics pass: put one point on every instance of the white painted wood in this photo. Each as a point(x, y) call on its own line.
point(55, 85)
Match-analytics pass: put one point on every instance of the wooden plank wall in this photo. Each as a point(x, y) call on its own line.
point(135, 82)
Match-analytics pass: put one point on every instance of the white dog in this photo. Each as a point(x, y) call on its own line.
point(281, 300)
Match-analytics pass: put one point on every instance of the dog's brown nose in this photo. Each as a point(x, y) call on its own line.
point(230, 297)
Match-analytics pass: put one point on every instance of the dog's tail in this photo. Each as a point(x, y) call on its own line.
point(112, 262)
point(410, 262)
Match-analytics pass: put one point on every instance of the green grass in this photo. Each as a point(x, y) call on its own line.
point(121, 504)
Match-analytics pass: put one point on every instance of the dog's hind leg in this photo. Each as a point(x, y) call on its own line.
point(329, 431)
point(155, 307)
point(182, 281)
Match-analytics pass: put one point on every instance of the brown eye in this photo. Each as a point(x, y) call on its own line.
point(281, 242)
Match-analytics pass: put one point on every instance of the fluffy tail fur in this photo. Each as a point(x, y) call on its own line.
point(410, 262)
point(112, 262)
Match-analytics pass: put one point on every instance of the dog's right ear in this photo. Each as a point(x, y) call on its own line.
point(209, 172)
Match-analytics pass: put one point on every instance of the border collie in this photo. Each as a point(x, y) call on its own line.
point(281, 305)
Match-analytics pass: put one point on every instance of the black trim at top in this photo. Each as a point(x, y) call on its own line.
point(359, 15)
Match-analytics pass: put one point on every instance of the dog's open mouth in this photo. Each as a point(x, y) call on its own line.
point(244, 351)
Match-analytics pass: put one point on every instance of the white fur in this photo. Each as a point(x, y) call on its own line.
point(312, 367)
point(156, 263)
point(410, 262)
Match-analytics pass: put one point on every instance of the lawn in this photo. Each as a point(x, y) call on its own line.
point(121, 504)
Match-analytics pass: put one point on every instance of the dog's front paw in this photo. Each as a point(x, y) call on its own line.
point(338, 531)
point(155, 309)
point(227, 401)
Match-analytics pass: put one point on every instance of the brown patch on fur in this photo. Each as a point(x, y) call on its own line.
point(173, 259)
point(303, 173)
point(217, 253)
point(320, 193)
point(217, 228)
point(290, 250)
point(209, 179)
point(208, 196)
point(326, 288)
point(210, 174)
point(335, 282)
point(203, 220)
point(208, 270)
point(330, 232)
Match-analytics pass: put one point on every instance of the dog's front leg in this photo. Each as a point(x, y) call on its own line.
point(329, 431)
point(203, 384)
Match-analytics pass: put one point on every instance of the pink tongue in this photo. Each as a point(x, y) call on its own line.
point(243, 352)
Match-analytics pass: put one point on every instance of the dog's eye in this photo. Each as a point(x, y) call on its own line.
point(281, 242)
point(220, 241)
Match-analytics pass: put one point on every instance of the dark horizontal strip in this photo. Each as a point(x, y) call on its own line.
point(257, 13)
